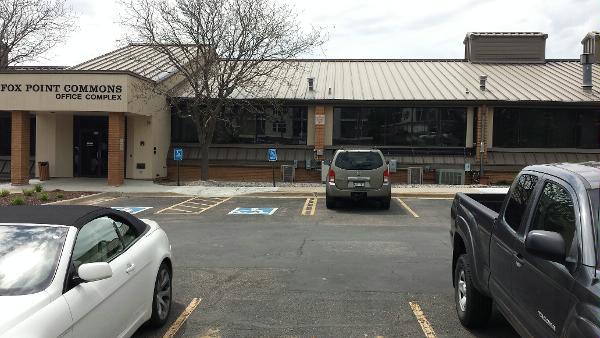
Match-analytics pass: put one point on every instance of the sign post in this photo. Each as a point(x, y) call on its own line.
point(272, 155)
point(178, 157)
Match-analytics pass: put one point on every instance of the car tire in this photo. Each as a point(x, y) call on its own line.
point(385, 203)
point(329, 202)
point(473, 307)
point(162, 296)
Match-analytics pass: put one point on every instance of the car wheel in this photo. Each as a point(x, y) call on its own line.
point(329, 202)
point(161, 300)
point(473, 307)
point(385, 203)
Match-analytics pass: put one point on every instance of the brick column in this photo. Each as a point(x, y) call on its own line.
point(19, 148)
point(116, 149)
point(319, 132)
point(481, 136)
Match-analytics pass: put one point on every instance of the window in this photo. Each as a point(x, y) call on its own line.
point(519, 197)
point(363, 160)
point(97, 241)
point(400, 126)
point(546, 128)
point(249, 125)
point(555, 212)
point(126, 233)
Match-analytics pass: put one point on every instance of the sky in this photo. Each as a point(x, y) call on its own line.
point(377, 28)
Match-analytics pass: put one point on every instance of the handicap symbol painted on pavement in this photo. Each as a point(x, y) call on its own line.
point(132, 210)
point(253, 211)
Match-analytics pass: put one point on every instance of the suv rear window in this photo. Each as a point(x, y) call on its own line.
point(362, 160)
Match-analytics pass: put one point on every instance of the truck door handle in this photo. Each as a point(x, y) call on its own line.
point(519, 260)
point(130, 268)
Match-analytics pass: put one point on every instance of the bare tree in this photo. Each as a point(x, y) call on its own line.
point(222, 49)
point(29, 28)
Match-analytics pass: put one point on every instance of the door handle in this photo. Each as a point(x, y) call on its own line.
point(519, 260)
point(130, 268)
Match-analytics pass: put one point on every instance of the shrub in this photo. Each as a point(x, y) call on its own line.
point(4, 193)
point(38, 188)
point(28, 192)
point(17, 201)
point(60, 195)
point(44, 197)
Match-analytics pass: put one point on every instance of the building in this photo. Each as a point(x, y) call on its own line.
point(504, 105)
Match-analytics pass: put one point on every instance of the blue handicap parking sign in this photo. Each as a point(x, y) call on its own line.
point(253, 211)
point(178, 154)
point(272, 154)
point(132, 210)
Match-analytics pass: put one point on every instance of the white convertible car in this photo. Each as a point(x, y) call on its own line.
point(81, 271)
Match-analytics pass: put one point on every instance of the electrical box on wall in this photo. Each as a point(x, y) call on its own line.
point(140, 166)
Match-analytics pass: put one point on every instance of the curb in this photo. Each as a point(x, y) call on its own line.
point(77, 199)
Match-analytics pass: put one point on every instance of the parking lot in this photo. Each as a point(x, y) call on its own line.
point(287, 266)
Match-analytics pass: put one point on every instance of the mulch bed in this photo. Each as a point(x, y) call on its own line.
point(53, 196)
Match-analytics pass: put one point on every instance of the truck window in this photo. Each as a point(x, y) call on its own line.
point(518, 200)
point(555, 212)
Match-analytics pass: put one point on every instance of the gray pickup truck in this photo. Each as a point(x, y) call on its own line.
point(532, 252)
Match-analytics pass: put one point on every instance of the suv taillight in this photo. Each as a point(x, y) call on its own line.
point(331, 176)
point(386, 176)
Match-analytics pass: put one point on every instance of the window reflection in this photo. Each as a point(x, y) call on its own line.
point(28, 257)
point(399, 126)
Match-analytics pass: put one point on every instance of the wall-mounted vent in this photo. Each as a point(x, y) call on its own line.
point(591, 46)
point(450, 176)
point(415, 175)
point(518, 47)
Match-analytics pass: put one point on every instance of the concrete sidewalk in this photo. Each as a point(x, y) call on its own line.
point(149, 187)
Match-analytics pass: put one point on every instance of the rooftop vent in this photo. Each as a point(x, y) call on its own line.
point(591, 46)
point(311, 84)
point(516, 47)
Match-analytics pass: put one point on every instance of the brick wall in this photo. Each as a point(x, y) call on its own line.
point(240, 174)
point(19, 164)
point(481, 133)
point(319, 130)
point(116, 151)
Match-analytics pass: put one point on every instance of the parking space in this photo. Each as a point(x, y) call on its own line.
point(278, 266)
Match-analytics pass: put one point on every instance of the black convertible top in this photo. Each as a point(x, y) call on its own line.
point(69, 215)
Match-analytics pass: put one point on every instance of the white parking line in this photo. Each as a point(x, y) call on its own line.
point(425, 325)
point(174, 328)
point(405, 206)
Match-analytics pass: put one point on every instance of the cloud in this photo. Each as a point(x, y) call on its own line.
point(382, 28)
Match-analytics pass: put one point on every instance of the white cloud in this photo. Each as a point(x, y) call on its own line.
point(381, 28)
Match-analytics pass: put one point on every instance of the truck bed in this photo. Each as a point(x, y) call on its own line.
point(491, 201)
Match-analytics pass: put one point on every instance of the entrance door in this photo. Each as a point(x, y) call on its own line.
point(91, 146)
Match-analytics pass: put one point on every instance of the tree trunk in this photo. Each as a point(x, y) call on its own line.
point(204, 165)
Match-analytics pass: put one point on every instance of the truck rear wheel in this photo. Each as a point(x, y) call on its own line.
point(329, 202)
point(473, 307)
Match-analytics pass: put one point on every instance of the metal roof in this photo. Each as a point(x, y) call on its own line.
point(385, 80)
point(141, 59)
point(507, 34)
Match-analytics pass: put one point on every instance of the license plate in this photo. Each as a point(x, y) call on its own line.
point(359, 184)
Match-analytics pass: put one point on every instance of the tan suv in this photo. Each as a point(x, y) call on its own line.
point(358, 175)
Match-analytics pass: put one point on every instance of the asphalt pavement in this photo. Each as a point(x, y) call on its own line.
point(276, 266)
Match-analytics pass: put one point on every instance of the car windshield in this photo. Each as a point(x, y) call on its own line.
point(28, 257)
point(359, 160)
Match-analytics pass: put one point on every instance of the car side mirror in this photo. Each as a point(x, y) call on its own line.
point(92, 272)
point(548, 245)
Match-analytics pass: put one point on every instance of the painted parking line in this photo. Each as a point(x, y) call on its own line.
point(174, 328)
point(100, 200)
point(253, 211)
point(407, 208)
point(310, 207)
point(425, 325)
point(193, 206)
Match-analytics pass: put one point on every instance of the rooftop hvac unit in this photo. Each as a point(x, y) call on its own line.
point(415, 175)
point(287, 173)
point(451, 176)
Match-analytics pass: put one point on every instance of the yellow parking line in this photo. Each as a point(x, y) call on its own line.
point(405, 206)
point(425, 325)
point(174, 328)
point(214, 205)
point(174, 205)
point(310, 207)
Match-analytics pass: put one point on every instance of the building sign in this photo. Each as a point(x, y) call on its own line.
point(93, 92)
point(319, 120)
